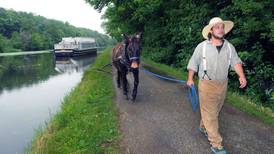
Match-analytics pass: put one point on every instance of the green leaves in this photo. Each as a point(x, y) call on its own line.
point(271, 26)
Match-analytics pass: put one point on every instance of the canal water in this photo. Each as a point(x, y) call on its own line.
point(32, 88)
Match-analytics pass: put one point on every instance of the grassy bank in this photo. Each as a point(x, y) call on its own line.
point(24, 53)
point(239, 101)
point(87, 121)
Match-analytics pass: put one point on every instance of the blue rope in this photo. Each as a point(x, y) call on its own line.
point(192, 94)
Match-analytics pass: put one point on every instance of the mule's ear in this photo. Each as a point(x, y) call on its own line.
point(125, 36)
point(139, 35)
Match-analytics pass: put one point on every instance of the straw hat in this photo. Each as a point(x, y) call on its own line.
point(228, 26)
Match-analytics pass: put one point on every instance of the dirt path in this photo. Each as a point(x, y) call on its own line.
point(161, 121)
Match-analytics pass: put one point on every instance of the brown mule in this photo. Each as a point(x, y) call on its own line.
point(125, 58)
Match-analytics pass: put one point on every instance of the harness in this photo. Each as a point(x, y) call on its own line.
point(134, 58)
point(204, 59)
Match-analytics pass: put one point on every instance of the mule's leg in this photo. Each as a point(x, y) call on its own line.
point(118, 79)
point(124, 78)
point(136, 82)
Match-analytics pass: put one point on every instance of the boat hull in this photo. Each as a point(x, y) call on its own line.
point(73, 53)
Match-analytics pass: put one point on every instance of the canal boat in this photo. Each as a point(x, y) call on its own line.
point(75, 46)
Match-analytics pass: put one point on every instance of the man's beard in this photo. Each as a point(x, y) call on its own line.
point(217, 37)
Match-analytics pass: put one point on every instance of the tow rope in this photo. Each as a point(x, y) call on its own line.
point(102, 69)
point(192, 94)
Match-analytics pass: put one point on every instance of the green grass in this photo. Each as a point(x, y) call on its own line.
point(19, 53)
point(87, 121)
point(245, 104)
point(239, 101)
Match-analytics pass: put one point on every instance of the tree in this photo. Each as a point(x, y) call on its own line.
point(3, 43)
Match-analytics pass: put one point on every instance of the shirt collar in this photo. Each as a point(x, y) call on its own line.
point(208, 42)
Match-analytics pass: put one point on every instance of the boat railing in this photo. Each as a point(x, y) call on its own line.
point(65, 46)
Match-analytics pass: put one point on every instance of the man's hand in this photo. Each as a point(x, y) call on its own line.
point(239, 70)
point(189, 83)
point(190, 78)
point(243, 82)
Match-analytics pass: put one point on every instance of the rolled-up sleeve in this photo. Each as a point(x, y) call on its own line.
point(194, 60)
point(235, 59)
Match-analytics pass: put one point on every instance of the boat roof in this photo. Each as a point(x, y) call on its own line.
point(78, 39)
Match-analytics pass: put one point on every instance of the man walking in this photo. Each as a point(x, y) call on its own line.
point(212, 59)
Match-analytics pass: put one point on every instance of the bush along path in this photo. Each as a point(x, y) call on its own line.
point(162, 121)
point(87, 121)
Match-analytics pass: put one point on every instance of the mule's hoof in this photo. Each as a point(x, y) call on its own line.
point(133, 100)
point(126, 97)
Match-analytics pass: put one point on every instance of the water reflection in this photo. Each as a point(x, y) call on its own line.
point(22, 71)
point(70, 65)
point(31, 88)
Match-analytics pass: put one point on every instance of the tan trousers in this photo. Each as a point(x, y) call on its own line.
point(211, 95)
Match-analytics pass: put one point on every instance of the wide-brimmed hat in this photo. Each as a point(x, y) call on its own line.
point(228, 26)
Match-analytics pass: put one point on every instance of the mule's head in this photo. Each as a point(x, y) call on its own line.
point(134, 50)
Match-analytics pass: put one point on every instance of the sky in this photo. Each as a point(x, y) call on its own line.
point(77, 12)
